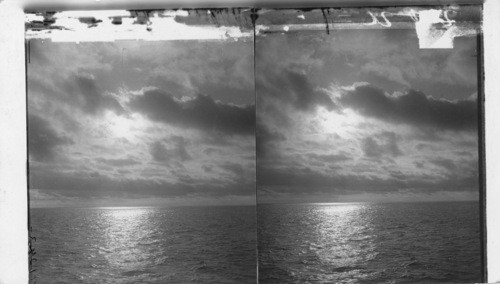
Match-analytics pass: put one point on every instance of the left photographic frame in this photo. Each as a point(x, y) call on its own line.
point(141, 146)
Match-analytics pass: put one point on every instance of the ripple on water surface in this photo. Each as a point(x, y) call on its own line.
point(369, 243)
point(155, 245)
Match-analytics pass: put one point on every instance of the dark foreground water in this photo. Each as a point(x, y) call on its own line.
point(369, 243)
point(138, 245)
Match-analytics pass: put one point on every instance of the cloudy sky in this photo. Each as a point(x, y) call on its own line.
point(365, 115)
point(354, 115)
point(141, 123)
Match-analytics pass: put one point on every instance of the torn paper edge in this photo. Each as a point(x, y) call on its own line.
point(435, 28)
point(148, 25)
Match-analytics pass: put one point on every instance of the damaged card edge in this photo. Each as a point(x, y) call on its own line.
point(148, 25)
point(436, 28)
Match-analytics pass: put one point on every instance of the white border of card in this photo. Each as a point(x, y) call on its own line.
point(13, 158)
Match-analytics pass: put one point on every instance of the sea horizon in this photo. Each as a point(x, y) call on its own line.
point(366, 202)
point(140, 207)
point(250, 205)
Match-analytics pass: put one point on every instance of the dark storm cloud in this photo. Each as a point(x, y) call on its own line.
point(207, 169)
point(445, 163)
point(419, 165)
point(234, 168)
point(305, 177)
point(158, 151)
point(176, 87)
point(118, 162)
point(43, 140)
point(94, 184)
point(85, 92)
point(293, 88)
point(412, 108)
point(69, 123)
point(177, 151)
point(329, 158)
point(265, 137)
point(295, 179)
point(201, 112)
point(388, 145)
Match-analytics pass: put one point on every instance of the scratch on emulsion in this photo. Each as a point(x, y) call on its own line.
point(325, 18)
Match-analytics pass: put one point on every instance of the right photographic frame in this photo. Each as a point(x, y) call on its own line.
point(370, 145)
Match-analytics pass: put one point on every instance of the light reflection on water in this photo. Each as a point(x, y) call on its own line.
point(342, 240)
point(345, 231)
point(368, 243)
point(117, 243)
point(145, 245)
point(349, 243)
point(127, 232)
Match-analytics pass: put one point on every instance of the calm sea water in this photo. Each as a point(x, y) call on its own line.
point(369, 243)
point(138, 245)
point(344, 243)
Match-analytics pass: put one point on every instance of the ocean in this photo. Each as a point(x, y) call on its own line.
point(297, 243)
point(144, 245)
point(369, 243)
